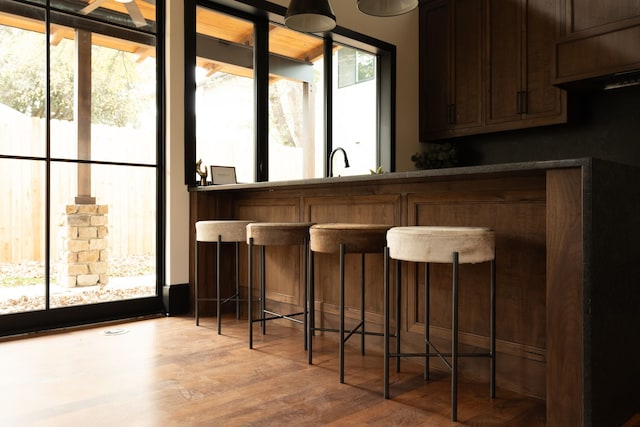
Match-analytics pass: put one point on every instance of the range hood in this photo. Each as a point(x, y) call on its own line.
point(607, 82)
point(606, 57)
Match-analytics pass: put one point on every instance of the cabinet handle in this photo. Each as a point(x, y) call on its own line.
point(521, 102)
point(451, 114)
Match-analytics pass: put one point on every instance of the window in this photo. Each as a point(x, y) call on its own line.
point(225, 117)
point(285, 104)
point(355, 66)
point(355, 111)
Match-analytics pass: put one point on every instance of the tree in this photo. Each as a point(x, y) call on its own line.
point(118, 85)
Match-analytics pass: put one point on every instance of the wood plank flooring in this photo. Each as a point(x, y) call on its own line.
point(168, 372)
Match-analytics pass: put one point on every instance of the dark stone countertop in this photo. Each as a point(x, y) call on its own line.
point(503, 168)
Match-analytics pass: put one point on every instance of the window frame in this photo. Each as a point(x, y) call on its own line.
point(261, 13)
point(56, 317)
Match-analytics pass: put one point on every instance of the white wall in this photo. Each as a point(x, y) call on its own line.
point(177, 213)
point(401, 31)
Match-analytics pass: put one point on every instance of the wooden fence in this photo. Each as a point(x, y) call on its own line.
point(129, 191)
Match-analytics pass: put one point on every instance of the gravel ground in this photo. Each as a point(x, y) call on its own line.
point(130, 277)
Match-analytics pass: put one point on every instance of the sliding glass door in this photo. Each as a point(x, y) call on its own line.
point(79, 169)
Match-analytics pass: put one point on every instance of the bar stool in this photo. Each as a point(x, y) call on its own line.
point(343, 239)
point(276, 234)
point(220, 231)
point(455, 245)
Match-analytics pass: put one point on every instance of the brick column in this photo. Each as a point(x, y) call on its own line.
point(83, 234)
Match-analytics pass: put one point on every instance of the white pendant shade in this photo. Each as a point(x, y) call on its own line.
point(386, 7)
point(310, 16)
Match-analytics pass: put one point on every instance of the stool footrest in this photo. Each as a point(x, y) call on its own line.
point(229, 299)
point(233, 298)
point(351, 332)
point(275, 316)
point(438, 355)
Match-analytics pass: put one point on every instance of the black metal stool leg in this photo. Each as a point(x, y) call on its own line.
point(362, 302)
point(492, 380)
point(454, 341)
point(195, 285)
point(398, 311)
point(341, 357)
point(250, 292)
point(237, 264)
point(263, 293)
point(305, 284)
point(312, 307)
point(385, 391)
point(218, 303)
point(427, 322)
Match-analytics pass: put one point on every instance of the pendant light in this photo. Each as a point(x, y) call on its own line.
point(310, 16)
point(386, 7)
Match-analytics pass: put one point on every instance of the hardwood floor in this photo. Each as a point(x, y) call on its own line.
point(166, 371)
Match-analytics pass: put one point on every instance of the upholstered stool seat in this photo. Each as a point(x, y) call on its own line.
point(342, 239)
point(455, 245)
point(264, 234)
point(220, 231)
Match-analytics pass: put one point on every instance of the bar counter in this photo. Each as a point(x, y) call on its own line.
point(568, 303)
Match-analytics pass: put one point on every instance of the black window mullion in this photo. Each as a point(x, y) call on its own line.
point(328, 101)
point(261, 81)
point(47, 216)
point(190, 92)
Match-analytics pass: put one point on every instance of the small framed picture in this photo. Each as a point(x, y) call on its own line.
point(223, 175)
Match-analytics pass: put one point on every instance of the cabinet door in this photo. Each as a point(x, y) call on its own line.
point(434, 69)
point(467, 64)
point(504, 41)
point(451, 67)
point(539, 98)
point(591, 13)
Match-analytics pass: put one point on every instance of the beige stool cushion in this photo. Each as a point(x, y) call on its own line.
point(278, 233)
point(357, 238)
point(437, 244)
point(229, 230)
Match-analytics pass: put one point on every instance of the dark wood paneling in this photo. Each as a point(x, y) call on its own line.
point(520, 259)
point(564, 297)
point(587, 14)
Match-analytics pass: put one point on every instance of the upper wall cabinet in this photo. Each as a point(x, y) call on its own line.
point(450, 67)
point(487, 66)
point(599, 39)
point(585, 14)
point(519, 46)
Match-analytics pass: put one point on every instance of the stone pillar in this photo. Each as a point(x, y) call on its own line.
point(84, 248)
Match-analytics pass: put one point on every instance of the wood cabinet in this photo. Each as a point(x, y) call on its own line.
point(519, 46)
point(486, 66)
point(585, 14)
point(599, 39)
point(451, 67)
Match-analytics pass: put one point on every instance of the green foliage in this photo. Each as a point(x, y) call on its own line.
point(17, 282)
point(436, 156)
point(119, 88)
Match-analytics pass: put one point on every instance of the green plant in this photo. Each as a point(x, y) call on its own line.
point(436, 156)
point(15, 282)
